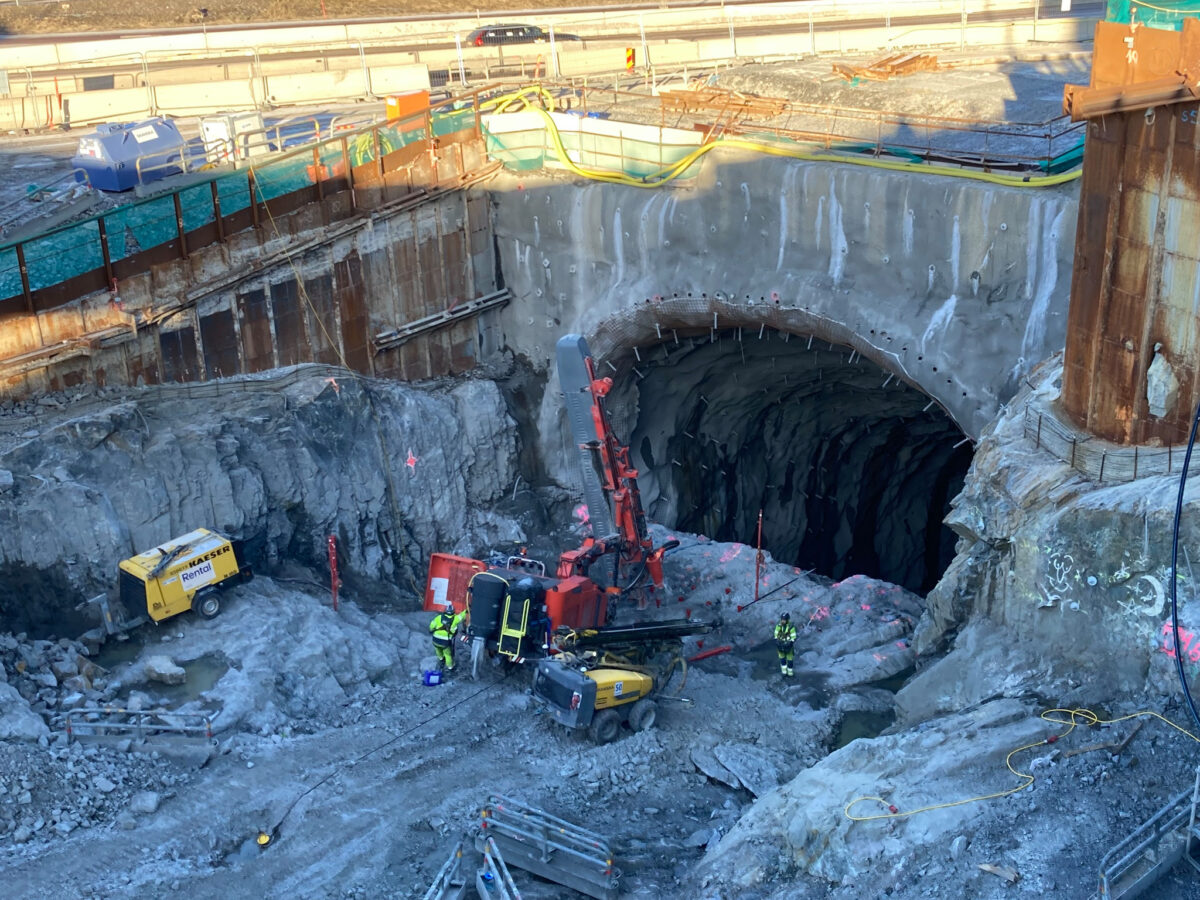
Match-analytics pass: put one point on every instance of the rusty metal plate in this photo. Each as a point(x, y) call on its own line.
point(291, 336)
point(1155, 53)
point(258, 352)
point(322, 318)
point(406, 286)
point(356, 349)
point(178, 354)
point(456, 266)
point(219, 339)
point(1137, 214)
point(414, 361)
point(142, 359)
point(432, 293)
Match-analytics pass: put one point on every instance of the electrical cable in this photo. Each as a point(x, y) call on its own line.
point(1073, 718)
point(1187, 459)
point(274, 830)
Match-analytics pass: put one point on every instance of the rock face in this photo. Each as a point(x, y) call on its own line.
point(393, 472)
point(1078, 571)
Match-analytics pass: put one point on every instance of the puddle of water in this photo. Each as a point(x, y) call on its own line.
point(202, 674)
point(116, 652)
point(896, 682)
point(855, 725)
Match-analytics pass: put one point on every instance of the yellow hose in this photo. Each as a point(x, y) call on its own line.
point(674, 170)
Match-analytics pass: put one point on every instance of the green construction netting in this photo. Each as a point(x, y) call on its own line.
point(141, 224)
point(1166, 14)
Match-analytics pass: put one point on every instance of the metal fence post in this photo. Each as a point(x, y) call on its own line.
point(349, 175)
point(253, 197)
point(183, 250)
point(216, 202)
point(24, 278)
point(104, 251)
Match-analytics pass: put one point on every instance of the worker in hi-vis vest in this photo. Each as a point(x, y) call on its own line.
point(442, 629)
point(785, 643)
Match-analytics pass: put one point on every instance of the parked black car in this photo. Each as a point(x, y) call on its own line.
point(491, 35)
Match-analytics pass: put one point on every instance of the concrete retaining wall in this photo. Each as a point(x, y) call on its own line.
point(958, 287)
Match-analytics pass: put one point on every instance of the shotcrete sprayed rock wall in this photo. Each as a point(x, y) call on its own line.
point(861, 324)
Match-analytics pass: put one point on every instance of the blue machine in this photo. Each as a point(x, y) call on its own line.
point(118, 156)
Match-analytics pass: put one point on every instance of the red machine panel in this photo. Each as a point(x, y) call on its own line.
point(577, 602)
point(448, 579)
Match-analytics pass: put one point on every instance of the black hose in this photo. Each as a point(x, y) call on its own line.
point(1187, 459)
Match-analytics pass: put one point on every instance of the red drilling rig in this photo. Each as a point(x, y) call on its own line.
point(515, 606)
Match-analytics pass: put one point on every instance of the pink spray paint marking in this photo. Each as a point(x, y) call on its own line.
point(1185, 639)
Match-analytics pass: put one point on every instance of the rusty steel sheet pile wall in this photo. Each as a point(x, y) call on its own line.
point(310, 275)
point(1133, 334)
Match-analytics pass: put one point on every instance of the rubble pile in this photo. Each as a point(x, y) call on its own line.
point(48, 792)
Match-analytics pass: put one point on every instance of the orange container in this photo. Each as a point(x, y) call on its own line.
point(400, 106)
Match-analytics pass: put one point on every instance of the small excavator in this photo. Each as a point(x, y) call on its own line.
point(516, 608)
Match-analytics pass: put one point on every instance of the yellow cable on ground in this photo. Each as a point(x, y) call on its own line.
point(1074, 718)
point(674, 170)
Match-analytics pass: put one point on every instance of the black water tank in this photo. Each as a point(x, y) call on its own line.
point(487, 603)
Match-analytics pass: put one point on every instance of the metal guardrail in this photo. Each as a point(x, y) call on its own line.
point(396, 336)
point(138, 722)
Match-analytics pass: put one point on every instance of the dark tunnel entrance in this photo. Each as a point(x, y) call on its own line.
point(854, 469)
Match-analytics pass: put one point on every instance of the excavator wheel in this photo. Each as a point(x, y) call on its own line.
point(207, 603)
point(605, 727)
point(643, 714)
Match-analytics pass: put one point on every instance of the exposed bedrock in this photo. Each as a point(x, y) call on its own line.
point(1058, 598)
point(394, 472)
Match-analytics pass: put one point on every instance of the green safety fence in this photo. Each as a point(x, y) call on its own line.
point(533, 148)
point(1165, 14)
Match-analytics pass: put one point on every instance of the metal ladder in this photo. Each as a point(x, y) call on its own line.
point(493, 880)
point(449, 883)
point(1153, 849)
point(549, 847)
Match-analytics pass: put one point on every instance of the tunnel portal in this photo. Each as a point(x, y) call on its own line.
point(853, 468)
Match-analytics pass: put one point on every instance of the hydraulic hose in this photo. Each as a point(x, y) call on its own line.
point(1187, 459)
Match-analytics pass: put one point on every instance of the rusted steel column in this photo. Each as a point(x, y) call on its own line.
point(1131, 368)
